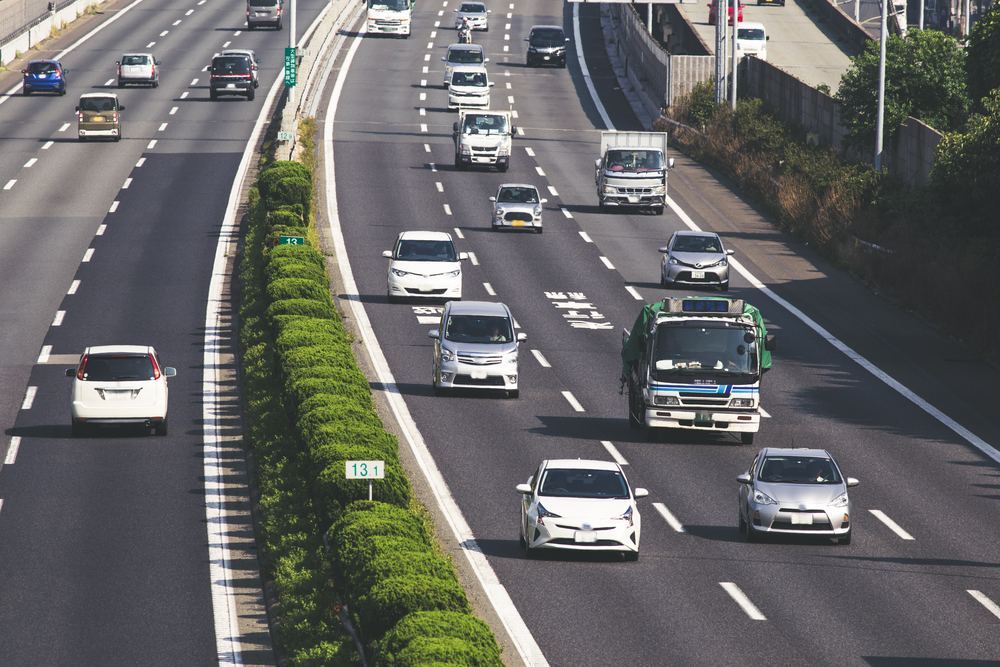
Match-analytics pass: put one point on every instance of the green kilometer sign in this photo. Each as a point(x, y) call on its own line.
point(289, 65)
point(291, 240)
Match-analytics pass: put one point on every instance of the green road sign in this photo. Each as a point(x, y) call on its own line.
point(291, 240)
point(289, 65)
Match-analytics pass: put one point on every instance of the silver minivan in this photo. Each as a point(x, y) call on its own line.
point(475, 347)
point(462, 54)
point(264, 12)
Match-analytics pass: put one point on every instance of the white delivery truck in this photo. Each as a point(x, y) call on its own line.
point(632, 170)
point(391, 17)
point(483, 138)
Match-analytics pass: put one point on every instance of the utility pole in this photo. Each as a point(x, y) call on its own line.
point(720, 52)
point(881, 91)
point(736, 30)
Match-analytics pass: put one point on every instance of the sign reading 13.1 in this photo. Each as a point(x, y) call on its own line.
point(365, 469)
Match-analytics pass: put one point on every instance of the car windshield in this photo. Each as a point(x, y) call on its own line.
point(97, 104)
point(703, 349)
point(109, 368)
point(42, 68)
point(575, 483)
point(477, 79)
point(465, 56)
point(231, 65)
point(513, 195)
point(547, 37)
point(633, 160)
point(394, 5)
point(485, 124)
point(799, 470)
point(750, 33)
point(426, 251)
point(479, 329)
point(697, 244)
point(472, 8)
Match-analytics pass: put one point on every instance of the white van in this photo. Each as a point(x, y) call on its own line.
point(469, 88)
point(751, 40)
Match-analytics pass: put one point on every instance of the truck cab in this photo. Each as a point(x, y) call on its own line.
point(632, 170)
point(483, 138)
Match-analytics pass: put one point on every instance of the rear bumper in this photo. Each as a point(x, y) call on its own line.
point(109, 132)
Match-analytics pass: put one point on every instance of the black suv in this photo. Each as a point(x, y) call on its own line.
point(231, 75)
point(546, 46)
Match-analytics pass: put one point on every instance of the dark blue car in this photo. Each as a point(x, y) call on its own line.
point(44, 75)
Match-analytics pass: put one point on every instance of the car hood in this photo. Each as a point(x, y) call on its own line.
point(597, 509)
point(810, 495)
point(516, 206)
point(481, 349)
point(468, 90)
point(698, 258)
point(425, 268)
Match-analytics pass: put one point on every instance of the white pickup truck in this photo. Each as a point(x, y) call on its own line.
point(483, 138)
point(632, 170)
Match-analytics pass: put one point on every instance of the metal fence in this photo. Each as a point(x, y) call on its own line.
point(19, 16)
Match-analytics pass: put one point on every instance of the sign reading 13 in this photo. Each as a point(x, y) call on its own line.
point(365, 469)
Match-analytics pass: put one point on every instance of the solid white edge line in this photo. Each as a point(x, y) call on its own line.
point(891, 525)
point(542, 361)
point(571, 399)
point(742, 600)
point(669, 517)
point(577, 44)
point(11, 457)
point(990, 605)
point(524, 642)
point(615, 454)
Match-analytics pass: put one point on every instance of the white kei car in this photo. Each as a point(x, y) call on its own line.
point(580, 505)
point(118, 385)
point(426, 265)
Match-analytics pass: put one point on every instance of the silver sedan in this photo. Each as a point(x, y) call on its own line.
point(795, 492)
point(477, 14)
point(517, 205)
point(695, 258)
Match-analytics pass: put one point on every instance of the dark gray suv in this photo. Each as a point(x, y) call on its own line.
point(546, 46)
point(231, 75)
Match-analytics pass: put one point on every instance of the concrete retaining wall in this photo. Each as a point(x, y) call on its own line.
point(24, 24)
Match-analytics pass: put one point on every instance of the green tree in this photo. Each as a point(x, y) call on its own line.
point(924, 78)
point(966, 172)
point(982, 62)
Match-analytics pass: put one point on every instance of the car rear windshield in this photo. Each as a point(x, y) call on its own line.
point(231, 65)
point(135, 60)
point(98, 103)
point(799, 470)
point(547, 36)
point(263, 3)
point(573, 483)
point(465, 56)
point(479, 329)
point(750, 33)
point(112, 367)
point(42, 68)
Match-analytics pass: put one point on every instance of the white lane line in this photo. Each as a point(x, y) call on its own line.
point(64, 127)
point(552, 191)
point(980, 598)
point(473, 259)
point(586, 237)
point(427, 148)
point(88, 255)
point(162, 127)
point(177, 22)
point(892, 525)
point(150, 145)
point(540, 172)
point(10, 184)
point(430, 45)
point(506, 48)
point(607, 262)
point(509, 86)
point(531, 153)
point(584, 70)
point(433, 167)
point(108, 82)
point(141, 162)
point(423, 111)
point(510, 99)
point(150, 45)
point(58, 319)
point(763, 413)
point(193, 82)
point(437, 24)
point(428, 319)
point(573, 402)
point(427, 57)
point(226, 45)
point(520, 130)
point(634, 292)
point(543, 362)
point(184, 95)
point(172, 111)
point(439, 185)
point(506, 38)
point(423, 127)
point(434, 33)
point(565, 212)
point(458, 233)
point(114, 207)
point(615, 454)
point(423, 96)
point(29, 398)
point(507, 27)
point(128, 182)
point(164, 33)
point(73, 287)
point(237, 33)
point(15, 443)
point(489, 289)
point(669, 517)
point(510, 15)
point(447, 209)
point(424, 70)
point(742, 600)
point(100, 230)
point(191, 11)
point(43, 356)
point(47, 145)
point(423, 83)
point(27, 165)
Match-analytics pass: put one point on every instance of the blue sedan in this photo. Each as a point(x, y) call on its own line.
point(47, 75)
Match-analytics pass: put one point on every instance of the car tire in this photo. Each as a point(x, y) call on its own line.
point(502, 168)
point(746, 438)
point(845, 539)
point(121, 84)
point(563, 65)
point(743, 524)
point(520, 539)
point(724, 287)
point(62, 92)
point(752, 536)
point(25, 92)
point(161, 428)
point(82, 138)
point(212, 95)
point(458, 162)
point(79, 430)
point(659, 210)
point(539, 230)
point(631, 556)
point(652, 434)
point(514, 393)
point(250, 95)
point(118, 137)
point(278, 27)
point(156, 84)
point(529, 553)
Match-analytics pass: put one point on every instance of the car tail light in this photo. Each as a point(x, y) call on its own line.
point(153, 70)
point(156, 368)
point(80, 116)
point(83, 362)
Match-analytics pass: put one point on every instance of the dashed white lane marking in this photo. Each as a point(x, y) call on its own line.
point(892, 525)
point(114, 207)
point(47, 145)
point(58, 319)
point(433, 167)
point(742, 600)
point(15, 443)
point(489, 289)
point(162, 127)
point(10, 184)
point(607, 262)
point(88, 255)
point(531, 153)
point(585, 236)
point(440, 12)
point(552, 191)
point(423, 127)
point(510, 15)
point(447, 209)
point(150, 145)
point(427, 57)
point(423, 111)
point(427, 148)
point(982, 599)
point(439, 185)
point(177, 22)
point(520, 130)
point(172, 111)
point(458, 233)
point(473, 259)
point(634, 292)
point(189, 12)
point(184, 95)
point(423, 83)
point(437, 24)
point(193, 82)
point(109, 82)
point(226, 45)
point(764, 413)
point(565, 211)
point(509, 86)
point(141, 162)
point(73, 287)
point(669, 517)
point(615, 454)
point(64, 127)
point(506, 38)
point(128, 182)
point(424, 70)
point(100, 230)
point(434, 33)
point(44, 355)
point(164, 33)
point(540, 172)
point(542, 361)
point(29, 398)
point(507, 27)
point(506, 48)
point(510, 99)
point(575, 404)
point(430, 45)
point(150, 45)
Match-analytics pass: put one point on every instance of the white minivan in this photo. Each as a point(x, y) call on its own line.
point(751, 40)
point(469, 88)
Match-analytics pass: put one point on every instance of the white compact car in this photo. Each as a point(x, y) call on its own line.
point(138, 68)
point(580, 505)
point(751, 40)
point(117, 385)
point(469, 88)
point(517, 205)
point(424, 264)
point(476, 348)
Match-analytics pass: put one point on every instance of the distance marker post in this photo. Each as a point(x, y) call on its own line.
point(366, 470)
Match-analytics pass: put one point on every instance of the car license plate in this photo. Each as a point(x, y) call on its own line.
point(585, 536)
point(230, 85)
point(98, 119)
point(546, 57)
point(703, 417)
point(477, 374)
point(698, 275)
point(802, 519)
point(517, 223)
point(425, 288)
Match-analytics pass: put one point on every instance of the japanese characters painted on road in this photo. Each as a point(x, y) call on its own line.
point(580, 313)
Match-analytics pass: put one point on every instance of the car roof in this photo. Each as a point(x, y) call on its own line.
point(582, 464)
point(44, 60)
point(795, 451)
point(478, 308)
point(547, 27)
point(119, 349)
point(114, 95)
point(425, 236)
point(472, 2)
point(246, 52)
point(749, 24)
point(517, 185)
point(688, 232)
point(143, 53)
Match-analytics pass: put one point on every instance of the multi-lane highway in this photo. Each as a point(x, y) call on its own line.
point(918, 579)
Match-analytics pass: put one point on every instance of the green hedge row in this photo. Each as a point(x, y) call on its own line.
point(309, 410)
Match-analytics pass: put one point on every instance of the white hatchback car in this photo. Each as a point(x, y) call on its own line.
point(469, 88)
point(138, 68)
point(517, 205)
point(118, 385)
point(424, 264)
point(580, 505)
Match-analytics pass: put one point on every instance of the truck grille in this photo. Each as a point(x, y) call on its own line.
point(635, 191)
point(391, 23)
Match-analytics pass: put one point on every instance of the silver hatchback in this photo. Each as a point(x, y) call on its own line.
point(138, 68)
point(517, 205)
point(695, 258)
point(795, 492)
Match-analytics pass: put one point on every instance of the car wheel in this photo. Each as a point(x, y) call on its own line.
point(79, 430)
point(156, 84)
point(118, 137)
point(652, 434)
point(563, 65)
point(844, 539)
point(82, 138)
point(752, 534)
point(458, 161)
point(279, 26)
point(538, 230)
point(746, 438)
point(161, 428)
point(520, 539)
point(212, 95)
point(724, 287)
point(25, 92)
point(631, 556)
point(514, 393)
point(62, 92)
point(743, 524)
point(501, 168)
point(250, 95)
point(659, 210)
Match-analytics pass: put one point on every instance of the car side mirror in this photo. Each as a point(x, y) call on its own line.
point(543, 200)
point(169, 371)
point(730, 252)
point(434, 333)
point(640, 492)
point(118, 62)
point(387, 254)
point(71, 372)
point(513, 130)
point(442, 58)
point(744, 478)
point(121, 107)
point(597, 163)
point(158, 62)
point(24, 71)
point(670, 163)
point(770, 342)
point(463, 256)
point(77, 108)
point(526, 39)
point(568, 40)
point(486, 60)
point(521, 337)
point(523, 489)
point(665, 248)
point(852, 482)
point(454, 128)
point(493, 198)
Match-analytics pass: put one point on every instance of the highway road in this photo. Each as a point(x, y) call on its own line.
point(103, 542)
point(916, 584)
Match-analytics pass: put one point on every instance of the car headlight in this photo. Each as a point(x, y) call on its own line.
point(532, 49)
point(398, 273)
point(673, 261)
point(446, 354)
point(545, 514)
point(761, 498)
point(511, 358)
point(537, 212)
point(741, 403)
point(659, 190)
point(666, 400)
point(466, 150)
point(839, 501)
point(610, 190)
point(454, 274)
point(624, 516)
point(498, 212)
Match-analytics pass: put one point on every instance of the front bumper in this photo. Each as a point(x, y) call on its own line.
point(777, 519)
point(685, 275)
point(487, 159)
point(456, 374)
point(474, 23)
point(636, 201)
point(468, 102)
point(546, 58)
point(703, 420)
point(427, 288)
point(388, 27)
point(567, 533)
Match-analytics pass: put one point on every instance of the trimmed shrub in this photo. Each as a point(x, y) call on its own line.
point(293, 191)
point(437, 624)
point(363, 520)
point(392, 599)
point(310, 325)
point(304, 357)
point(390, 564)
point(303, 253)
point(332, 491)
point(440, 652)
point(289, 267)
point(298, 338)
point(301, 308)
point(352, 386)
point(277, 171)
point(298, 288)
point(285, 219)
point(328, 409)
point(273, 239)
point(341, 435)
